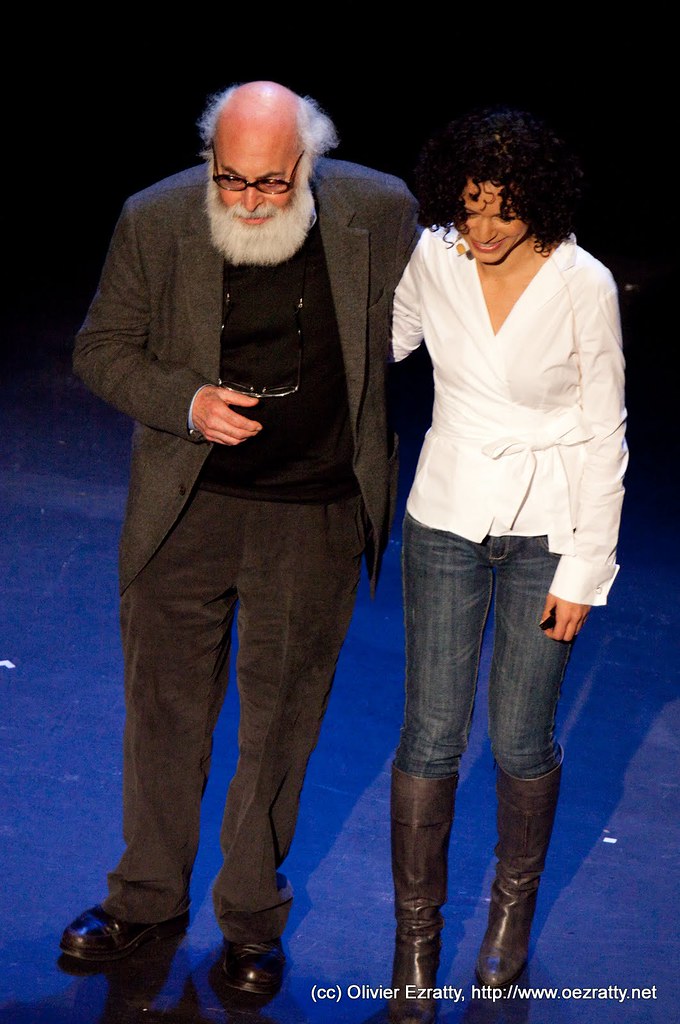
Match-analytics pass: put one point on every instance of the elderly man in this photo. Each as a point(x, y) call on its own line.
point(242, 321)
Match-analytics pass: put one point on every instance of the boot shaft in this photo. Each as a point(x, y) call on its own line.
point(421, 817)
point(525, 817)
point(526, 812)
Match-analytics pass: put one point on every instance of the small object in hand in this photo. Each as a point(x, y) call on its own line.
point(549, 622)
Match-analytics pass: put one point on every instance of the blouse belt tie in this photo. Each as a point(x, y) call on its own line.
point(567, 428)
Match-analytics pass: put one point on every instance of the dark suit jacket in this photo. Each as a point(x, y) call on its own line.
point(152, 336)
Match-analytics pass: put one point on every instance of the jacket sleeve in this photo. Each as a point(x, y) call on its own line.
point(112, 353)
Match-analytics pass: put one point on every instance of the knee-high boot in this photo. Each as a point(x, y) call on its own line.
point(526, 812)
point(422, 814)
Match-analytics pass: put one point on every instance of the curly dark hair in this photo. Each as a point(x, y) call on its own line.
point(513, 149)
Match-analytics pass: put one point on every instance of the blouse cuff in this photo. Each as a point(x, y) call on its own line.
point(583, 582)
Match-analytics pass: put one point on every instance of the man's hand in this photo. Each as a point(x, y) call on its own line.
point(215, 419)
point(568, 618)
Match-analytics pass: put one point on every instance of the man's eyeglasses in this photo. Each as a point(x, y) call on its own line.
point(270, 186)
point(273, 390)
point(292, 383)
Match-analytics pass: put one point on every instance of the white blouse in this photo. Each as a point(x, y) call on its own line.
point(528, 426)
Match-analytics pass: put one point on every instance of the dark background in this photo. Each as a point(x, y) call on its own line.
point(89, 122)
point(95, 113)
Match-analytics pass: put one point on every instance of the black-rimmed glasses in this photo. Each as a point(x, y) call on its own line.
point(270, 186)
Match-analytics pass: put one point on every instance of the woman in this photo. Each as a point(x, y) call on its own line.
point(517, 493)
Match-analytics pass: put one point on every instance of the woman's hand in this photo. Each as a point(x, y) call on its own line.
point(568, 618)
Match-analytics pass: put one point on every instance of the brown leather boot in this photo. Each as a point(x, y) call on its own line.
point(526, 812)
point(422, 814)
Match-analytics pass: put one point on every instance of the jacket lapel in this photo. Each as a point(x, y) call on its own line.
point(201, 280)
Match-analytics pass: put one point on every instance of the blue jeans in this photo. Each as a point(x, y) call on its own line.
point(448, 587)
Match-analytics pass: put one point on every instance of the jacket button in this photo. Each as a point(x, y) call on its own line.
point(182, 490)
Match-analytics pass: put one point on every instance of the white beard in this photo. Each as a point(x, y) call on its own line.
point(263, 244)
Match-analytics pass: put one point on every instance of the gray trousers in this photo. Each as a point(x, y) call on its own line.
point(294, 571)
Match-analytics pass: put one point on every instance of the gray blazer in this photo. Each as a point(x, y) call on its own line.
point(152, 337)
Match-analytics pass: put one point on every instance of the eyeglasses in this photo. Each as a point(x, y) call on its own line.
point(265, 390)
point(270, 186)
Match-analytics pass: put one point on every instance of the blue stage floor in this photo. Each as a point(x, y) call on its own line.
point(605, 940)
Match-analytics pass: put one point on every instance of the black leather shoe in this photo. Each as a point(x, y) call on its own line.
point(255, 966)
point(96, 935)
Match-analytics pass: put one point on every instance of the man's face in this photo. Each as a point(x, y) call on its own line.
point(252, 156)
point(249, 226)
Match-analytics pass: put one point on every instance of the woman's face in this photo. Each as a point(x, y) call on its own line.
point(490, 236)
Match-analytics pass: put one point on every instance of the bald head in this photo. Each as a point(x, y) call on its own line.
point(262, 107)
point(259, 106)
